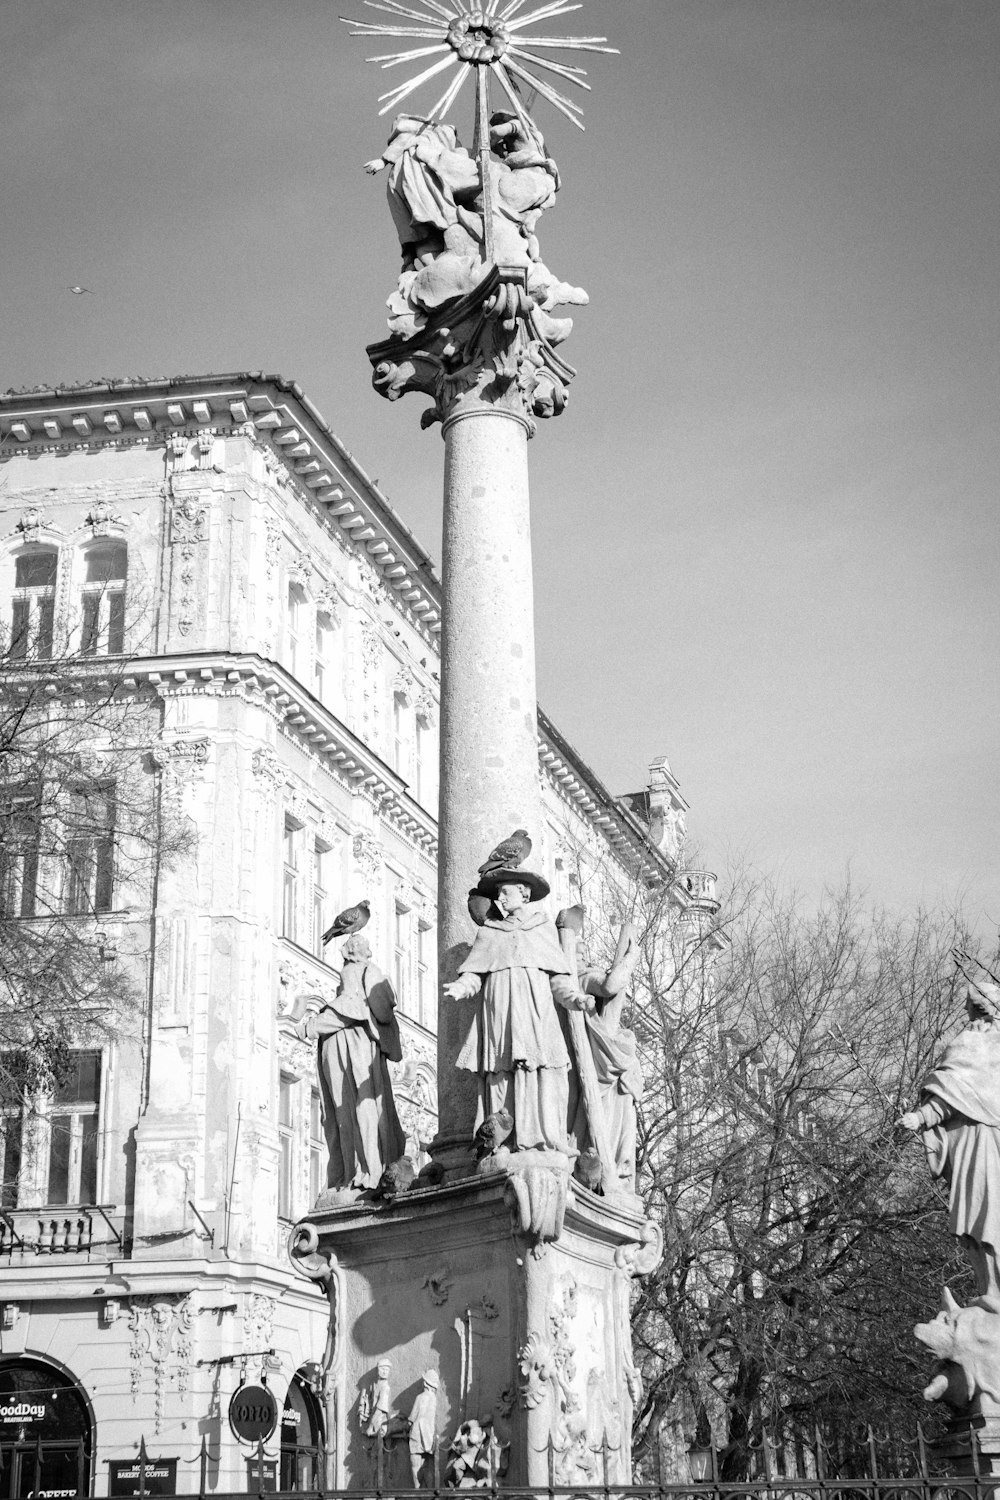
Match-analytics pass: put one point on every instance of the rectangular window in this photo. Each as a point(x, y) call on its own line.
point(116, 624)
point(11, 1125)
point(19, 842)
point(73, 1132)
point(286, 1142)
point(401, 934)
point(320, 670)
point(317, 1147)
point(33, 613)
point(423, 974)
point(90, 630)
point(290, 886)
point(319, 896)
point(419, 734)
point(103, 603)
point(398, 743)
point(90, 850)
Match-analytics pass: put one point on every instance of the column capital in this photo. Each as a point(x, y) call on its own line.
point(486, 353)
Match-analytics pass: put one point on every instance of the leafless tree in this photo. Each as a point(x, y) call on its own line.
point(84, 832)
point(803, 1234)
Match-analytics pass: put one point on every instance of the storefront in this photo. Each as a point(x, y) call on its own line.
point(46, 1434)
point(301, 1438)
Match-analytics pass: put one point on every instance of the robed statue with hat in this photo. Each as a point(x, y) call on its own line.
point(519, 974)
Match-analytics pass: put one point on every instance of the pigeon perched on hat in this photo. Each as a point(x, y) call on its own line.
point(348, 921)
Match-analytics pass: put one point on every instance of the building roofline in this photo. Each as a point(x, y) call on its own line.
point(377, 528)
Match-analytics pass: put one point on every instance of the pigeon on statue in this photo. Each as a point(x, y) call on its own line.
point(590, 1170)
point(479, 906)
point(351, 920)
point(509, 853)
point(492, 1133)
point(430, 1175)
point(396, 1178)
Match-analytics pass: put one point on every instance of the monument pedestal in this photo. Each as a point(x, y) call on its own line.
point(513, 1286)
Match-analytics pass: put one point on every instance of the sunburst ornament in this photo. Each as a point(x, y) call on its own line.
point(488, 39)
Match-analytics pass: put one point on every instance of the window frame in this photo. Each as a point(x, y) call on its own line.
point(102, 602)
point(36, 603)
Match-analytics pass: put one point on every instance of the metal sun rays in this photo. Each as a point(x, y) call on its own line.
point(475, 38)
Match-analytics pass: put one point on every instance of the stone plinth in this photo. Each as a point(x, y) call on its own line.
point(514, 1287)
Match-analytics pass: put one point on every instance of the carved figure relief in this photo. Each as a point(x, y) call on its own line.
point(423, 1433)
point(161, 1329)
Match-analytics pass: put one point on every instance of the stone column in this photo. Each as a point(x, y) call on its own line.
point(489, 745)
point(491, 371)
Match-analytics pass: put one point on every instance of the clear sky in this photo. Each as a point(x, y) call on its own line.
point(765, 528)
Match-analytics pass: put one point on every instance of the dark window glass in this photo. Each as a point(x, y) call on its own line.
point(59, 1157)
point(90, 852)
point(116, 624)
point(19, 837)
point(20, 628)
point(81, 1081)
point(45, 623)
point(10, 1158)
point(35, 570)
point(73, 1142)
point(90, 633)
point(107, 564)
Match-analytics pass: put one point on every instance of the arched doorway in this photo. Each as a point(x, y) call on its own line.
point(301, 1438)
point(46, 1439)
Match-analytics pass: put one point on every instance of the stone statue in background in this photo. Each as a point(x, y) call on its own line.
point(358, 1037)
point(519, 974)
point(616, 1063)
point(423, 1426)
point(959, 1117)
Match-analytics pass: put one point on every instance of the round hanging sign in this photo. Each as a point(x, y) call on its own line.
point(253, 1413)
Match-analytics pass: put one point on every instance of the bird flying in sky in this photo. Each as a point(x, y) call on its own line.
point(78, 291)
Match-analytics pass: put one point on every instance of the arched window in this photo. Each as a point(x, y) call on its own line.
point(301, 1437)
point(34, 604)
point(45, 1431)
point(105, 574)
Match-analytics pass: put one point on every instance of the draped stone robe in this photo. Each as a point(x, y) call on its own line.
point(515, 1044)
point(358, 1037)
point(962, 1137)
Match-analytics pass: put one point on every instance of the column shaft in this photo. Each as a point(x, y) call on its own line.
point(489, 745)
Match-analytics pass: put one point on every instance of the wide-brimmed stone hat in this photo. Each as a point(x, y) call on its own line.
point(490, 883)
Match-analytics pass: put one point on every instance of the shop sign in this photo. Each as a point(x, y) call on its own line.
point(262, 1479)
point(253, 1413)
point(23, 1411)
point(158, 1477)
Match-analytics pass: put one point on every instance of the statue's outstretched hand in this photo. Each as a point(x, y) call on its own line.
point(457, 990)
point(912, 1120)
point(581, 1001)
point(374, 166)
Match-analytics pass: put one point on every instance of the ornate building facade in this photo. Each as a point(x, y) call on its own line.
point(274, 627)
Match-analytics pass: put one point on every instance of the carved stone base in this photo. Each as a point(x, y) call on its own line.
point(513, 1286)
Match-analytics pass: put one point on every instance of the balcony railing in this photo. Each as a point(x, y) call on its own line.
point(74, 1230)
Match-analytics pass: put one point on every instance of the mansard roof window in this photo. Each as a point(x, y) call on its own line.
point(105, 574)
point(34, 603)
